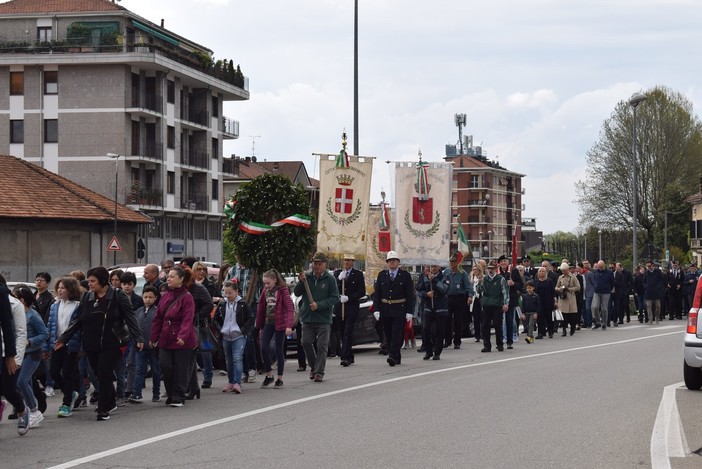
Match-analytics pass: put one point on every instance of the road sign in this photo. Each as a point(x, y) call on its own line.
point(114, 245)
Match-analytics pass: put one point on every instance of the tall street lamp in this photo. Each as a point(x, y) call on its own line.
point(116, 157)
point(635, 100)
point(599, 233)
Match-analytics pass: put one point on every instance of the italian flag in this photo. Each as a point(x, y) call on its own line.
point(463, 245)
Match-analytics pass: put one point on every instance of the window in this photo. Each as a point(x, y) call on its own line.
point(215, 189)
point(51, 131)
point(214, 229)
point(50, 82)
point(16, 83)
point(44, 34)
point(174, 228)
point(474, 182)
point(215, 106)
point(171, 91)
point(16, 131)
point(215, 148)
point(170, 137)
point(199, 227)
point(170, 182)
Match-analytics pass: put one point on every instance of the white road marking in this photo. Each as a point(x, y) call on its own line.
point(194, 428)
point(668, 438)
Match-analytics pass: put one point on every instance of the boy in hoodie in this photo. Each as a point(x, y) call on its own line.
point(147, 356)
point(530, 308)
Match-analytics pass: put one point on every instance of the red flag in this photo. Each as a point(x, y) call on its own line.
point(422, 211)
point(384, 241)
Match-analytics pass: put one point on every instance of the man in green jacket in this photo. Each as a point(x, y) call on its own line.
point(316, 313)
point(494, 299)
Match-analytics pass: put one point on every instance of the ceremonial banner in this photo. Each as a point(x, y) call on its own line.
point(377, 232)
point(423, 211)
point(344, 196)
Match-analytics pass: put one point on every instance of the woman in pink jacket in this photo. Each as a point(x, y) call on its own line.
point(274, 318)
point(173, 332)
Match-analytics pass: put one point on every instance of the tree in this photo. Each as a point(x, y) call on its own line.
point(263, 201)
point(669, 153)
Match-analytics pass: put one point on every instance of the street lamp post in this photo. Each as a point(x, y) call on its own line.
point(599, 233)
point(116, 157)
point(490, 244)
point(635, 100)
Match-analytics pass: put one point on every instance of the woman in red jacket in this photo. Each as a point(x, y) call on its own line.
point(274, 318)
point(173, 332)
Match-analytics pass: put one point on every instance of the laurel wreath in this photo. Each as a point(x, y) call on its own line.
point(423, 234)
point(341, 220)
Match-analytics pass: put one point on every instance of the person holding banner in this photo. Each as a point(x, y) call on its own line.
point(352, 287)
point(432, 288)
point(394, 298)
point(319, 293)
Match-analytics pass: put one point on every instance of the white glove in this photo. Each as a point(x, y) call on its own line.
point(376, 315)
point(409, 317)
point(343, 298)
point(342, 275)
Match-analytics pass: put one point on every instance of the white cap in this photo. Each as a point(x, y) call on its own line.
point(392, 255)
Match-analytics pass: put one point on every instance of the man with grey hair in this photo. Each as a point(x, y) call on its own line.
point(151, 275)
point(603, 282)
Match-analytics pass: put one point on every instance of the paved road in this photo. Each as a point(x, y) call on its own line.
point(587, 401)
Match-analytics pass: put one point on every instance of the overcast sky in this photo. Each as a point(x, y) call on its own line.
point(536, 79)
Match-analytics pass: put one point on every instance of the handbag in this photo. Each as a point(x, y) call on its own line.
point(123, 334)
point(557, 315)
point(206, 339)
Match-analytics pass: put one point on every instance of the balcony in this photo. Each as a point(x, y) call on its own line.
point(199, 120)
point(229, 166)
point(195, 201)
point(230, 128)
point(195, 158)
point(478, 203)
point(151, 150)
point(150, 103)
point(143, 195)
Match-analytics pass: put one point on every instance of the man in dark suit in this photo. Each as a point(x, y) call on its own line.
point(352, 287)
point(676, 280)
point(394, 298)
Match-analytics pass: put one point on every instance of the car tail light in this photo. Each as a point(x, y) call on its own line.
point(692, 321)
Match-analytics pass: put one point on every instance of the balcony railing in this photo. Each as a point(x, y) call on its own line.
point(148, 101)
point(194, 201)
point(229, 166)
point(230, 127)
point(140, 195)
point(200, 117)
point(480, 202)
point(150, 150)
point(195, 158)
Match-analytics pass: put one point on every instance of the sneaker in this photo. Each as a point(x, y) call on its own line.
point(93, 398)
point(83, 402)
point(252, 376)
point(35, 418)
point(49, 391)
point(176, 404)
point(136, 399)
point(318, 378)
point(267, 381)
point(75, 399)
point(3, 404)
point(112, 410)
point(278, 384)
point(103, 416)
point(64, 411)
point(156, 399)
point(23, 422)
point(228, 388)
point(222, 372)
point(121, 401)
point(236, 389)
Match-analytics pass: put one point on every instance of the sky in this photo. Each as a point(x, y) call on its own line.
point(536, 79)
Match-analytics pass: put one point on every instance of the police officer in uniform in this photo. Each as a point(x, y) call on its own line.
point(352, 287)
point(394, 298)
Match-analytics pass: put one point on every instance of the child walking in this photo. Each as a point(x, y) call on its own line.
point(530, 308)
point(147, 355)
point(235, 323)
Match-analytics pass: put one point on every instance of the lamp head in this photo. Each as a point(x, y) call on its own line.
point(637, 99)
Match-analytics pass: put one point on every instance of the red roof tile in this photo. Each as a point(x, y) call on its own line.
point(30, 191)
point(57, 6)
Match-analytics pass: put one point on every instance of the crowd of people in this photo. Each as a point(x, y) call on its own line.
point(98, 334)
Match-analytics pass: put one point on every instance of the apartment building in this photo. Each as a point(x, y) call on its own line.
point(487, 199)
point(125, 107)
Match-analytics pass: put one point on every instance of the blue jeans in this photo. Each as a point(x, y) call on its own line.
point(587, 313)
point(24, 380)
point(234, 355)
point(266, 349)
point(147, 356)
point(206, 366)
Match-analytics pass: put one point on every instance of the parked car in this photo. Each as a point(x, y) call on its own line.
point(365, 330)
point(138, 270)
point(12, 285)
point(692, 345)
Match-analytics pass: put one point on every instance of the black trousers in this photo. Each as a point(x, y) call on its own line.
point(103, 364)
point(456, 311)
point(347, 326)
point(433, 329)
point(64, 372)
point(675, 304)
point(394, 327)
point(175, 371)
point(492, 315)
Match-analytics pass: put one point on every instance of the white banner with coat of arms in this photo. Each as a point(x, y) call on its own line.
point(344, 196)
point(423, 212)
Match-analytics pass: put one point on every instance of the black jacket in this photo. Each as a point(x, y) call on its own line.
point(389, 293)
point(203, 304)
point(244, 316)
point(98, 319)
point(354, 287)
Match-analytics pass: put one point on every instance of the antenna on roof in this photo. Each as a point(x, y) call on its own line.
point(253, 144)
